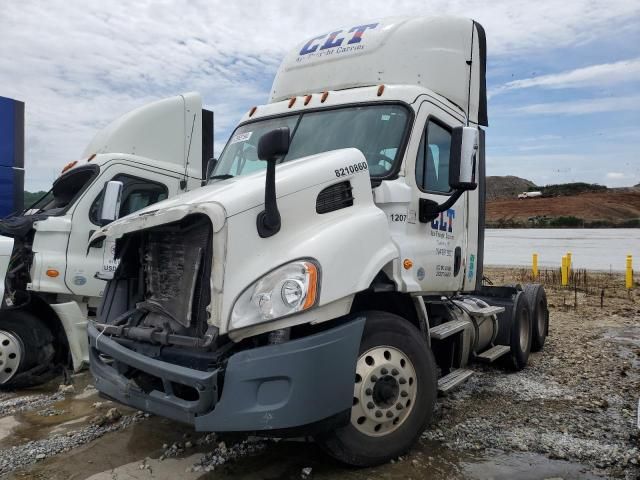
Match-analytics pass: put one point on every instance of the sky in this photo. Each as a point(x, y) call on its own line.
point(563, 76)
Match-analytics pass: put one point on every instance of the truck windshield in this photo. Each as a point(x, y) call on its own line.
point(65, 190)
point(376, 130)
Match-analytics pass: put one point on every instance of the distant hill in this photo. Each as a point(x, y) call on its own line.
point(609, 208)
point(31, 197)
point(507, 187)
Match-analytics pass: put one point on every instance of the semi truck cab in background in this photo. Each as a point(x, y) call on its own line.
point(327, 280)
point(51, 280)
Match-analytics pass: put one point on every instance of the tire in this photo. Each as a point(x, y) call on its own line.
point(394, 396)
point(26, 351)
point(537, 299)
point(521, 333)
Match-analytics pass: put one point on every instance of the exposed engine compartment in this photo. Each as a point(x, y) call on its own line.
point(20, 228)
point(161, 293)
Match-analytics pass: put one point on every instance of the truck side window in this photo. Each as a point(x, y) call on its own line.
point(432, 164)
point(137, 193)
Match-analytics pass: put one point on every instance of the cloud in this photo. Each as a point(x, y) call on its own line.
point(78, 65)
point(602, 75)
point(576, 107)
point(553, 168)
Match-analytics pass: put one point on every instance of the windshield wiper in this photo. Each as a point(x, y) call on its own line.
point(221, 177)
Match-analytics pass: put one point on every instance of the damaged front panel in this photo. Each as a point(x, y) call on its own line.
point(173, 262)
point(164, 299)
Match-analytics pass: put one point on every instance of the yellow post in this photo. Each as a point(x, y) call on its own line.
point(534, 265)
point(564, 270)
point(629, 273)
point(569, 265)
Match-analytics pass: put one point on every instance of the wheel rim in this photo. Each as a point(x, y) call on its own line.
point(524, 331)
point(384, 392)
point(541, 319)
point(11, 352)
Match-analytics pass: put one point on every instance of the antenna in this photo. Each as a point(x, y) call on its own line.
point(183, 183)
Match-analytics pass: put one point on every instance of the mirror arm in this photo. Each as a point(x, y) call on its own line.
point(429, 210)
point(268, 221)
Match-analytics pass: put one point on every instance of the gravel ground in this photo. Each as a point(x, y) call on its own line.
point(34, 451)
point(12, 403)
point(576, 400)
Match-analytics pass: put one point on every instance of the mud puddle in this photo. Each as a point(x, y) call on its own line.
point(66, 414)
point(287, 460)
point(119, 452)
point(136, 452)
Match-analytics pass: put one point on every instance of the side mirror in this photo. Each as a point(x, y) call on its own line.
point(111, 202)
point(274, 144)
point(271, 146)
point(462, 159)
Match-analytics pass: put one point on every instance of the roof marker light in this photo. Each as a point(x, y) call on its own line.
point(252, 111)
point(324, 96)
point(292, 100)
point(307, 99)
point(380, 90)
point(68, 166)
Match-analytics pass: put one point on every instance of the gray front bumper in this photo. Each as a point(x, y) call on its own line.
point(293, 384)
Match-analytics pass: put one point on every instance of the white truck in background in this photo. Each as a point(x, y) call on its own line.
point(524, 195)
point(51, 281)
point(327, 280)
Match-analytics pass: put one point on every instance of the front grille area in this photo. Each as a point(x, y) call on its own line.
point(334, 198)
point(176, 264)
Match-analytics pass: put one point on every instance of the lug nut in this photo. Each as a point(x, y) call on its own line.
point(378, 413)
point(384, 371)
point(368, 391)
point(394, 372)
point(374, 378)
point(404, 394)
point(389, 414)
point(399, 406)
point(370, 405)
point(402, 381)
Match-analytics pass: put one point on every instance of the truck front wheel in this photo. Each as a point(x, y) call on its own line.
point(394, 393)
point(26, 350)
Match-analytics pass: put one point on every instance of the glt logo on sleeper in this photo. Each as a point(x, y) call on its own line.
point(336, 42)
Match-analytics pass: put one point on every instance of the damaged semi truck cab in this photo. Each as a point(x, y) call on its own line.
point(328, 279)
point(51, 281)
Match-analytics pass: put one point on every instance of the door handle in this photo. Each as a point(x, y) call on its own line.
point(457, 260)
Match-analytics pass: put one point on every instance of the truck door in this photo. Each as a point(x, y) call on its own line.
point(141, 188)
point(438, 245)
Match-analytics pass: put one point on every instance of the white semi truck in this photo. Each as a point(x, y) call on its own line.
point(328, 279)
point(51, 282)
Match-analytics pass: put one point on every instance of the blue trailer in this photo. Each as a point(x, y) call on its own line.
point(11, 156)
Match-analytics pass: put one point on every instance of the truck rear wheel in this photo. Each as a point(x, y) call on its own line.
point(395, 390)
point(26, 350)
point(521, 333)
point(537, 298)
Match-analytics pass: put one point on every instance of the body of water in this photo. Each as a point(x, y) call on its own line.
point(591, 248)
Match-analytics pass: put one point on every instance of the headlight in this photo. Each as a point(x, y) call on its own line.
point(288, 289)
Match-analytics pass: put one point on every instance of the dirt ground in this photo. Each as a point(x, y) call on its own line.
point(571, 414)
point(615, 207)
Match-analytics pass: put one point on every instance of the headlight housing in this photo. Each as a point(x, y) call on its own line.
point(288, 289)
